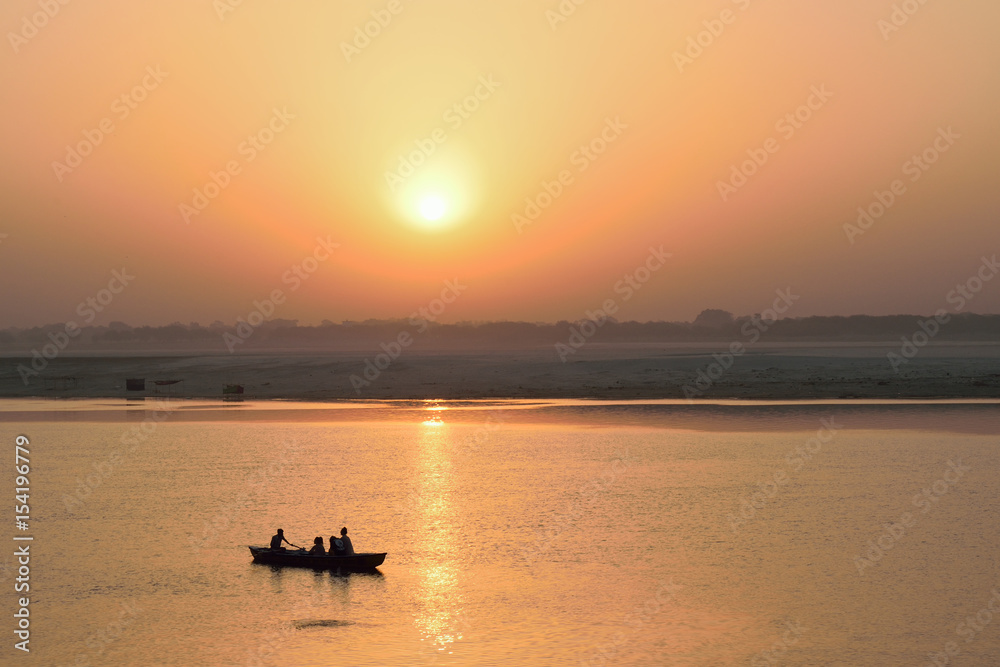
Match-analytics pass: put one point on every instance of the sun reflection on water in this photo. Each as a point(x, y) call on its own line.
point(435, 419)
point(439, 618)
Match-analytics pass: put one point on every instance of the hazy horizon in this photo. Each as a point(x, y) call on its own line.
point(289, 322)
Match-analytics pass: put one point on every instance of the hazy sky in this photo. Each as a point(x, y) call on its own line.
point(420, 149)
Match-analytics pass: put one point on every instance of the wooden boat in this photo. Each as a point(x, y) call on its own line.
point(366, 562)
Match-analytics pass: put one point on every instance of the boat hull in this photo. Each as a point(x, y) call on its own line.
point(366, 562)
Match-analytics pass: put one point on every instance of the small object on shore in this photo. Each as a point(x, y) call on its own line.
point(165, 383)
point(135, 384)
point(232, 389)
point(320, 623)
point(366, 562)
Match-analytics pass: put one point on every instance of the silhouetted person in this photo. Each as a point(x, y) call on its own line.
point(342, 546)
point(317, 548)
point(278, 539)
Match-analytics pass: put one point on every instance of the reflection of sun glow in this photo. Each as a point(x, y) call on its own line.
point(441, 617)
point(440, 626)
point(436, 419)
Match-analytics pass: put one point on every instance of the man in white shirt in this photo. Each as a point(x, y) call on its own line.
point(342, 546)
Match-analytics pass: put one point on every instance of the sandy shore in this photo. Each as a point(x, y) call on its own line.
point(680, 371)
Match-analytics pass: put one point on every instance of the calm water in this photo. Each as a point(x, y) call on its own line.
point(523, 533)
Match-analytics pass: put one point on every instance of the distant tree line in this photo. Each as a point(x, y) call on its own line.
point(709, 326)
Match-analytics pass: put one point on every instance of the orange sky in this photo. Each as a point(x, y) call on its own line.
point(460, 111)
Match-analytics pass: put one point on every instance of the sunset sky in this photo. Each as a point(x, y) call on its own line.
point(420, 148)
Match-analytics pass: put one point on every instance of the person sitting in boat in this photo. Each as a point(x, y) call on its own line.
point(341, 546)
point(278, 539)
point(317, 548)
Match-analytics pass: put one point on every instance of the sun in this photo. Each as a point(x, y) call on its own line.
point(433, 208)
point(440, 195)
